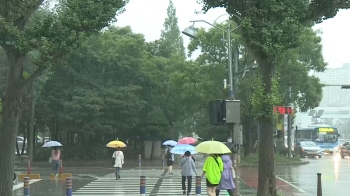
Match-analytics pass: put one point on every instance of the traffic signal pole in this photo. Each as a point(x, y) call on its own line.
point(289, 133)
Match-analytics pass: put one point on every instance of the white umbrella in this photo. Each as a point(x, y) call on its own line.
point(52, 144)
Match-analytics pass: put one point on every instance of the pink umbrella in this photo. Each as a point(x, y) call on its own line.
point(187, 140)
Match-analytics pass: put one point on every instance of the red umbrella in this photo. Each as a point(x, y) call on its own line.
point(187, 140)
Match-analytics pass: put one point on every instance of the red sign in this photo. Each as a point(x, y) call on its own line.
point(283, 110)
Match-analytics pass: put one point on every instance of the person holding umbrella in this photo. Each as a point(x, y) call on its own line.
point(188, 166)
point(213, 165)
point(168, 155)
point(55, 158)
point(118, 156)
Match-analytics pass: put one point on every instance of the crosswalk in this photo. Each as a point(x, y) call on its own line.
point(108, 185)
point(172, 186)
point(130, 186)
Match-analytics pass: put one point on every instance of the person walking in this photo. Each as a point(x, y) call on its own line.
point(118, 157)
point(55, 159)
point(187, 168)
point(212, 168)
point(226, 182)
point(170, 159)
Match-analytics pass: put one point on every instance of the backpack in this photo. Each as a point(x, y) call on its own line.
point(168, 154)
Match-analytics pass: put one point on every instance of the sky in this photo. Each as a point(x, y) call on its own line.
point(147, 17)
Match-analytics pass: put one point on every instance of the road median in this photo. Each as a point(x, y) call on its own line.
point(280, 160)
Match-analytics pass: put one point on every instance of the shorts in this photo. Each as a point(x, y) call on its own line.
point(169, 162)
point(210, 184)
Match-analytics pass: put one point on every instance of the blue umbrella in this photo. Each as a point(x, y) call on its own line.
point(182, 148)
point(170, 143)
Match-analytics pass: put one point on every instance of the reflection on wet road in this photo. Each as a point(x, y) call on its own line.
point(335, 175)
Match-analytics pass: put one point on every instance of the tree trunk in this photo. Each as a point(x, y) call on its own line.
point(11, 112)
point(248, 137)
point(266, 177)
point(152, 151)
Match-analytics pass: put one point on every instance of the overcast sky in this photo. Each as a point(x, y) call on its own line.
point(147, 17)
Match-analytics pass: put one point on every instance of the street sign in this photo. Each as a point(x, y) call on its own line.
point(283, 110)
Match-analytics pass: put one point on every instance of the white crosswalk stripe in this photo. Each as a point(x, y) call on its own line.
point(108, 186)
point(172, 186)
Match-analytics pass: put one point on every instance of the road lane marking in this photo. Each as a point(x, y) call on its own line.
point(20, 185)
point(292, 185)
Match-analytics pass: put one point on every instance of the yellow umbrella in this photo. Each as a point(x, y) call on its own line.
point(212, 147)
point(116, 144)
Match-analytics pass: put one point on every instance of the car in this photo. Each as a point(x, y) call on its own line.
point(345, 150)
point(309, 149)
point(20, 141)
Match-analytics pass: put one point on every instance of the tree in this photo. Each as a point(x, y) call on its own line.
point(171, 42)
point(293, 68)
point(269, 28)
point(51, 34)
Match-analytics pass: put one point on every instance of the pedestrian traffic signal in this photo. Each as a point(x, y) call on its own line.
point(217, 112)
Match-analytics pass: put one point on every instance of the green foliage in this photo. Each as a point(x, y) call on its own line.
point(263, 103)
point(269, 30)
point(171, 43)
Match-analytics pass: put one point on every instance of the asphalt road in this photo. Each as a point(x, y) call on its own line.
point(335, 176)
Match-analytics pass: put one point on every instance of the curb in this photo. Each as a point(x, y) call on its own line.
point(278, 164)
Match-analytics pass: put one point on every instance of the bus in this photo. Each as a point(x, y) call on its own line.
point(325, 136)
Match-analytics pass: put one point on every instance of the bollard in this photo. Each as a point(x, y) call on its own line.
point(26, 186)
point(319, 185)
point(28, 170)
point(139, 160)
point(69, 187)
point(61, 169)
point(142, 185)
point(163, 160)
point(198, 185)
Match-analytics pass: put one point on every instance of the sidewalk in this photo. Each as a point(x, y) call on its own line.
point(249, 177)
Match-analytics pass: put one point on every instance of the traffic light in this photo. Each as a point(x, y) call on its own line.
point(217, 112)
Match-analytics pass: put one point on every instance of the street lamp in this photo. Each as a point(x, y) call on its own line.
point(192, 33)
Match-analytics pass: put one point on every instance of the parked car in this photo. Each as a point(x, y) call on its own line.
point(20, 141)
point(309, 149)
point(345, 150)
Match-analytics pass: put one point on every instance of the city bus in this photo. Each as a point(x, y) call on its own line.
point(325, 136)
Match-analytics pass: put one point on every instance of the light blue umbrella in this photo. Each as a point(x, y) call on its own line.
point(52, 144)
point(170, 143)
point(182, 148)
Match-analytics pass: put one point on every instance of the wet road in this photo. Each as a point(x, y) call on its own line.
point(335, 175)
point(294, 180)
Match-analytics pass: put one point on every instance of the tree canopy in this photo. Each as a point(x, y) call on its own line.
point(270, 29)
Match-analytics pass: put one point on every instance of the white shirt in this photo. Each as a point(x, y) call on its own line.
point(119, 158)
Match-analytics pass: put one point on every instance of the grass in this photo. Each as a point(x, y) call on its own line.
point(252, 160)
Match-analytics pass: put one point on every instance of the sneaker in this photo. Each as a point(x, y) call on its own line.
point(56, 176)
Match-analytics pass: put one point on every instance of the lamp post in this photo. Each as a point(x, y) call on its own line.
point(191, 32)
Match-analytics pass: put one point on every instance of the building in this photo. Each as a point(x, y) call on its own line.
point(334, 96)
point(334, 108)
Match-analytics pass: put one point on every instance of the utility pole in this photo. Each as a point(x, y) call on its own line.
point(290, 125)
point(31, 137)
point(233, 90)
